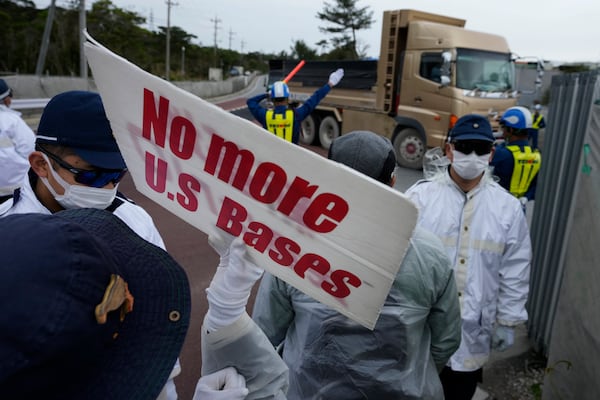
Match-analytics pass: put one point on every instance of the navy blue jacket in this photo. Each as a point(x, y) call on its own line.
point(300, 113)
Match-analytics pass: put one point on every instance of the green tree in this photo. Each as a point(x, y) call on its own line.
point(20, 35)
point(344, 18)
point(569, 68)
point(301, 51)
point(121, 31)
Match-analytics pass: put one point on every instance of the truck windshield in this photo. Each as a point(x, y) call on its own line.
point(484, 70)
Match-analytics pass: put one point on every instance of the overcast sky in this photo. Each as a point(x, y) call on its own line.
point(556, 30)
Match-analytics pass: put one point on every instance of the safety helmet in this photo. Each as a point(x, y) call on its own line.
point(279, 90)
point(517, 118)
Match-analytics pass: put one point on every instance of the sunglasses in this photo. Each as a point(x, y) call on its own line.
point(480, 147)
point(97, 178)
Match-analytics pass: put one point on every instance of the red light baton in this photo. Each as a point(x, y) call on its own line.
point(293, 72)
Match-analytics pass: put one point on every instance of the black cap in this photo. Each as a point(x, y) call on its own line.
point(76, 119)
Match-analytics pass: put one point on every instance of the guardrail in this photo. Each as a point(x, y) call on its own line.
point(28, 104)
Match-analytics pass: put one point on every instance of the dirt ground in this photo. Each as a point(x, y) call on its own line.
point(516, 378)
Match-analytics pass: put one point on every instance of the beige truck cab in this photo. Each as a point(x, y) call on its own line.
point(430, 71)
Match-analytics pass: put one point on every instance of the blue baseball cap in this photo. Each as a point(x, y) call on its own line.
point(77, 120)
point(472, 127)
point(66, 332)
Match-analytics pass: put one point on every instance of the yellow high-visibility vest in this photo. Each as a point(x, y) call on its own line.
point(282, 125)
point(527, 164)
point(537, 121)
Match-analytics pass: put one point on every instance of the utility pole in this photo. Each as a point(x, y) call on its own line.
point(182, 61)
point(168, 55)
point(83, 70)
point(231, 33)
point(45, 39)
point(216, 21)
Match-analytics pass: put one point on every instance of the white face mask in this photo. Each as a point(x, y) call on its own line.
point(78, 196)
point(469, 166)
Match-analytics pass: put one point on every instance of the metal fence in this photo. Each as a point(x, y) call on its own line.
point(566, 138)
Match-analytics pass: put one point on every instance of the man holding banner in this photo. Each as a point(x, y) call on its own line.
point(305, 219)
point(332, 357)
point(283, 121)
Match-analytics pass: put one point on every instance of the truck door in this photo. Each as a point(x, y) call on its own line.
point(422, 93)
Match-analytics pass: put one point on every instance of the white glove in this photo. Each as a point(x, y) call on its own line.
point(221, 246)
point(336, 77)
point(225, 384)
point(503, 338)
point(523, 201)
point(230, 287)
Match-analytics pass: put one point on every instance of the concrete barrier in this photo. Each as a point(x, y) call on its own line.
point(33, 87)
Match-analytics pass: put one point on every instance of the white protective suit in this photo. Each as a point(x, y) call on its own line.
point(17, 141)
point(487, 239)
point(244, 346)
point(133, 215)
point(333, 357)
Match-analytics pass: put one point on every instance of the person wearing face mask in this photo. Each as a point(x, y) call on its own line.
point(77, 164)
point(486, 236)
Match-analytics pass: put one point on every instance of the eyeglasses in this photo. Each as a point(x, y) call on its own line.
point(97, 178)
point(480, 147)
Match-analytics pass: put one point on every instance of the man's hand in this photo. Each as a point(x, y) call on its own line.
point(503, 338)
point(225, 384)
point(336, 77)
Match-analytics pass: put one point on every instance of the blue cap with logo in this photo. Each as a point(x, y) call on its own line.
point(77, 120)
point(472, 127)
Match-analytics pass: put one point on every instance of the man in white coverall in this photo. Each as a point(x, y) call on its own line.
point(332, 357)
point(16, 143)
point(486, 236)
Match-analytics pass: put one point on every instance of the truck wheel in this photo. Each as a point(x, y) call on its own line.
point(410, 148)
point(308, 133)
point(329, 129)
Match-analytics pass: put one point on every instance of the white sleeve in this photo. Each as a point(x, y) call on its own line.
point(243, 345)
point(140, 222)
point(23, 138)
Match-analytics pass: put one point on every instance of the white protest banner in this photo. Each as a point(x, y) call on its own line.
point(329, 231)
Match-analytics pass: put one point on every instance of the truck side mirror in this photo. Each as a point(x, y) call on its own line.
point(445, 70)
